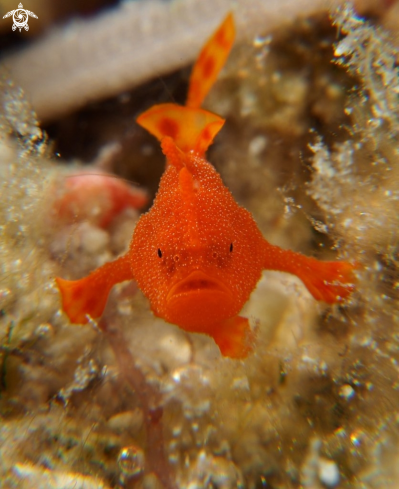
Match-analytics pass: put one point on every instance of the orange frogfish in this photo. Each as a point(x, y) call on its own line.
point(196, 254)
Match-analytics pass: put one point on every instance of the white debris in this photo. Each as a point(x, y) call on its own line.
point(347, 392)
point(328, 472)
point(34, 476)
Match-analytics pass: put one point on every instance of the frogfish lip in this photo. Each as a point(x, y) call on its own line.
point(197, 282)
point(198, 302)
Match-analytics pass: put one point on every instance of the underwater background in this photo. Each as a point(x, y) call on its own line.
point(310, 148)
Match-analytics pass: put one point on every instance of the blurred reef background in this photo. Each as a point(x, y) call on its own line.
point(310, 147)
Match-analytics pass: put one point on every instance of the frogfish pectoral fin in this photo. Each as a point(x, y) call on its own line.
point(191, 129)
point(234, 337)
point(328, 281)
point(88, 296)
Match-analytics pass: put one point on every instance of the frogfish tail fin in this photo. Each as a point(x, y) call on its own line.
point(210, 61)
point(192, 130)
point(86, 298)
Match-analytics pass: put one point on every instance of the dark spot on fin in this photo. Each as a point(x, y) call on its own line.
point(210, 61)
point(168, 127)
point(191, 129)
point(208, 67)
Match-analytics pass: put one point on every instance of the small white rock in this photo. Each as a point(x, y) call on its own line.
point(328, 472)
point(347, 392)
point(130, 421)
point(257, 145)
point(177, 347)
point(94, 239)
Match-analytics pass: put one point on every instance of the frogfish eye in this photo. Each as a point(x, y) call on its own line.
point(159, 253)
point(231, 247)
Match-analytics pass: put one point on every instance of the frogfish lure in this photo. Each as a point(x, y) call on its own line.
point(196, 254)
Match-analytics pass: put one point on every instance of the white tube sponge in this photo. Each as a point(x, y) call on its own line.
point(122, 47)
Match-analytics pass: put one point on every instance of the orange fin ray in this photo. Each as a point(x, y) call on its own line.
point(88, 296)
point(191, 129)
point(210, 61)
point(234, 337)
point(327, 281)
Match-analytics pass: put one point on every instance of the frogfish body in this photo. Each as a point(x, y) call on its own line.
point(197, 255)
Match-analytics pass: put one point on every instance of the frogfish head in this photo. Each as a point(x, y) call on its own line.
point(195, 254)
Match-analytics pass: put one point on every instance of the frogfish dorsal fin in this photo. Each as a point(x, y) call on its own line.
point(210, 61)
point(192, 130)
point(174, 155)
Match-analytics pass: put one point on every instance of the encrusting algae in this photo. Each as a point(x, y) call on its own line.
point(131, 401)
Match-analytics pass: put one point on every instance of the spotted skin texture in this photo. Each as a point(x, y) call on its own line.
point(182, 222)
point(197, 255)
